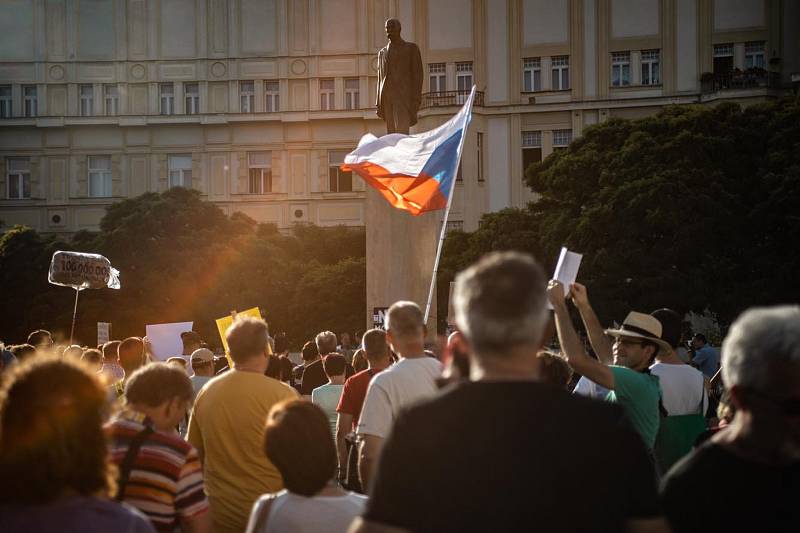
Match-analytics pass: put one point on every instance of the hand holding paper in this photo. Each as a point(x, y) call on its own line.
point(567, 269)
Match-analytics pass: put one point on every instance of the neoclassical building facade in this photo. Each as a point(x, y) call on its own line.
point(254, 103)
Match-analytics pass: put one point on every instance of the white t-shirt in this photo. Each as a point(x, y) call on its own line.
point(587, 387)
point(292, 512)
point(681, 388)
point(399, 385)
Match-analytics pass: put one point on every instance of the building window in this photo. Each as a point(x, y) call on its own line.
point(531, 149)
point(754, 55)
point(326, 92)
point(180, 170)
point(191, 95)
point(480, 156)
point(111, 97)
point(438, 77)
point(31, 103)
point(18, 177)
point(272, 96)
point(620, 69)
point(561, 139)
point(351, 93)
point(259, 170)
point(5, 101)
point(723, 58)
point(247, 96)
point(99, 176)
point(531, 74)
point(167, 99)
point(339, 180)
point(463, 81)
point(454, 225)
point(87, 100)
point(560, 66)
point(651, 67)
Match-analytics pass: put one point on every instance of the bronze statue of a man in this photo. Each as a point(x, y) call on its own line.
point(399, 81)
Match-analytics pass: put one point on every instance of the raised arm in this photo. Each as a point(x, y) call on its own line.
point(577, 357)
point(597, 338)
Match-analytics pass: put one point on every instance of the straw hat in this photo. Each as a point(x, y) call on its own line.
point(642, 326)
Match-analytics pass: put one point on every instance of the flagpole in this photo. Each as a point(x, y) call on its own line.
point(443, 231)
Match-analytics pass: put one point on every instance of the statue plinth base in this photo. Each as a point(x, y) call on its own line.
point(401, 250)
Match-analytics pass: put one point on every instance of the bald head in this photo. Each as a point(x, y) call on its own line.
point(404, 319)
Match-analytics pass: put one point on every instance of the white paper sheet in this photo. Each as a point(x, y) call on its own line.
point(567, 269)
point(166, 338)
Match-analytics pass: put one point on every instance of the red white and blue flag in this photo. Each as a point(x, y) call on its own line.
point(414, 173)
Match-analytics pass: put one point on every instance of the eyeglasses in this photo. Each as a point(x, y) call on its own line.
point(788, 406)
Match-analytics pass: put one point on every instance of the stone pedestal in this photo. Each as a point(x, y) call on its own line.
point(401, 250)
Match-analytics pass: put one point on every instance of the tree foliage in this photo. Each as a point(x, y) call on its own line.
point(183, 259)
point(692, 208)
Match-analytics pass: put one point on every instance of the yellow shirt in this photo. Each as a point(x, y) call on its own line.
point(227, 427)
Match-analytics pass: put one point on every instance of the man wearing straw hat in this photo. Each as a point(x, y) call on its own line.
point(629, 381)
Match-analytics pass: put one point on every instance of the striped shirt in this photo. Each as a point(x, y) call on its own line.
point(166, 479)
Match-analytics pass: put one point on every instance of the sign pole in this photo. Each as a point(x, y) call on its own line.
point(74, 315)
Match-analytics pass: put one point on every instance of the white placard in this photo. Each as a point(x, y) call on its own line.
point(165, 339)
point(567, 269)
point(103, 332)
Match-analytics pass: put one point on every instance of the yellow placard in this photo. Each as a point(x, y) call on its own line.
point(225, 322)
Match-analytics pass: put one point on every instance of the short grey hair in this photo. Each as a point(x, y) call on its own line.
point(404, 318)
point(757, 340)
point(500, 302)
point(247, 337)
point(326, 342)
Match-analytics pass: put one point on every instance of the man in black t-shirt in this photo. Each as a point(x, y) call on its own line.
point(748, 472)
point(507, 452)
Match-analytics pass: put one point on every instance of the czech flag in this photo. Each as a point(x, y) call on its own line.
point(414, 173)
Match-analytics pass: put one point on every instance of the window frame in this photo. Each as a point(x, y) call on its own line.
point(479, 149)
point(30, 102)
point(20, 176)
point(104, 174)
point(752, 53)
point(559, 69)
point(86, 102)
point(327, 95)
point(181, 171)
point(351, 94)
point(619, 61)
point(561, 143)
point(272, 98)
point(438, 72)
point(191, 101)
point(264, 174)
point(532, 66)
point(464, 71)
point(247, 96)
point(166, 99)
point(651, 62)
point(7, 102)
point(111, 100)
point(340, 174)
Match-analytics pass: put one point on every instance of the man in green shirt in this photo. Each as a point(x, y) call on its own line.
point(634, 348)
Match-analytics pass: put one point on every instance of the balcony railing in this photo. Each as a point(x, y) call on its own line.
point(748, 79)
point(446, 98)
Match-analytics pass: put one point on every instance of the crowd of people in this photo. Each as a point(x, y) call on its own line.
point(516, 423)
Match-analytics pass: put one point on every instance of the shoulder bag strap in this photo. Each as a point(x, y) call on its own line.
point(702, 397)
point(130, 457)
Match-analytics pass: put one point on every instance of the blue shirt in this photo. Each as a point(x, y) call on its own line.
point(706, 359)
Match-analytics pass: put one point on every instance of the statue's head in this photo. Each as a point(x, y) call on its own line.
point(393, 28)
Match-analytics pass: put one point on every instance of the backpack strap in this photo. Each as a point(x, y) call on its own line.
point(127, 463)
point(702, 397)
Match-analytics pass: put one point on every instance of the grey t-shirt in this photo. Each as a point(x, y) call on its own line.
point(74, 514)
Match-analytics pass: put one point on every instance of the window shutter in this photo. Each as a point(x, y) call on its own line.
point(36, 177)
point(277, 177)
point(242, 186)
point(197, 168)
point(116, 175)
point(82, 183)
point(3, 186)
point(163, 170)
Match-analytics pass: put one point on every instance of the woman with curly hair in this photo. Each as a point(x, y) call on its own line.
point(54, 461)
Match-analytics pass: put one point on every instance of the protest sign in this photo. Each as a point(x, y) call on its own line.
point(567, 269)
point(379, 317)
point(165, 339)
point(103, 332)
point(225, 322)
point(82, 271)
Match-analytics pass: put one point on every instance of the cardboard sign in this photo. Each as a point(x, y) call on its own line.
point(225, 322)
point(103, 332)
point(82, 271)
point(165, 339)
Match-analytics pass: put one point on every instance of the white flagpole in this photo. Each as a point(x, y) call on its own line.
point(447, 210)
